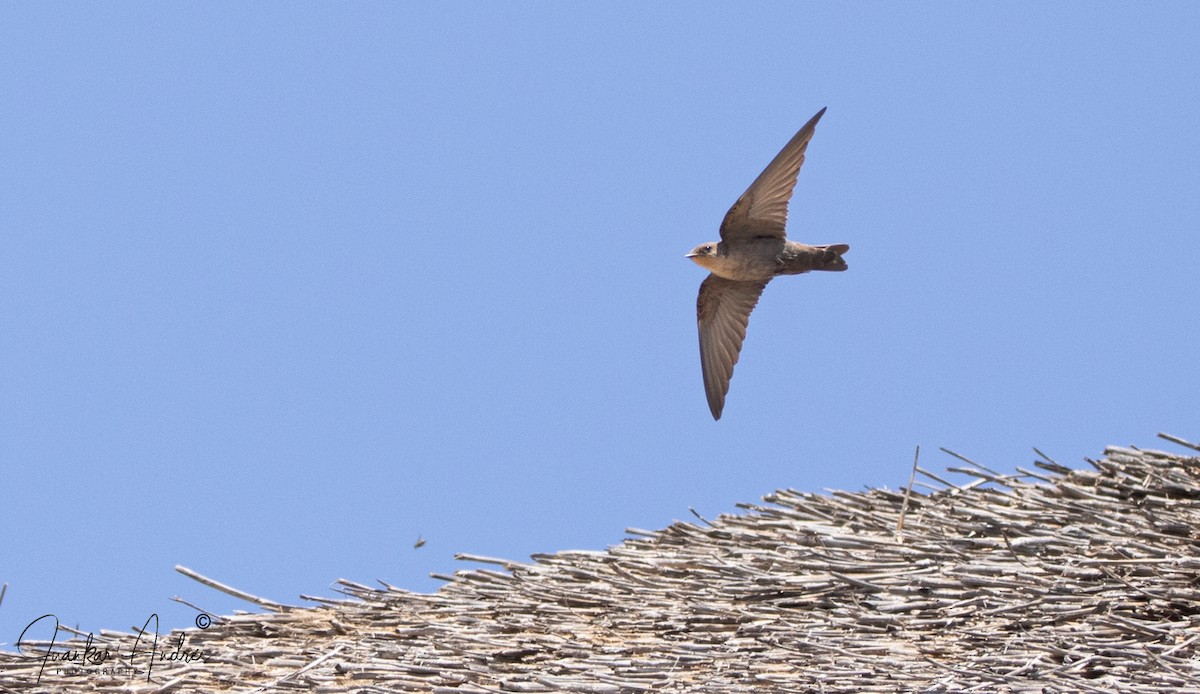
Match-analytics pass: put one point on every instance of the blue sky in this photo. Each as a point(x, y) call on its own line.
point(288, 286)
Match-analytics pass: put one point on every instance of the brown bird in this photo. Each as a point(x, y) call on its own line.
point(753, 249)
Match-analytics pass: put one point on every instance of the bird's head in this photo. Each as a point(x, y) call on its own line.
point(703, 255)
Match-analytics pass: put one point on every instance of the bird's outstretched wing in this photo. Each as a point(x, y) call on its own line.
point(762, 209)
point(722, 312)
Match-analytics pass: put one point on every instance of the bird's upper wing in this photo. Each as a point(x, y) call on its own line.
point(722, 312)
point(762, 209)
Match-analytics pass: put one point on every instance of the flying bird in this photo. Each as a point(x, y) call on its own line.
point(753, 249)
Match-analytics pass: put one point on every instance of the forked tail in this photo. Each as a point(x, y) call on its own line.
point(831, 259)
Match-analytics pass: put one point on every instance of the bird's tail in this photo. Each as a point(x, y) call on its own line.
point(831, 258)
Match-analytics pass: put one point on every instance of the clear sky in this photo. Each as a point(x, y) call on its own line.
point(287, 286)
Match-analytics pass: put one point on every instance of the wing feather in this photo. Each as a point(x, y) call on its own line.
point(722, 314)
point(762, 210)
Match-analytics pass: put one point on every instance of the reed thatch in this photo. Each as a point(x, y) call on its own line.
point(1049, 580)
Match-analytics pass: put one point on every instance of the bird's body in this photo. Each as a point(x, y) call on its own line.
point(753, 249)
point(764, 258)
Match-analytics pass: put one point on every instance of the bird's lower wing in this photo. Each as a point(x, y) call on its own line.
point(722, 313)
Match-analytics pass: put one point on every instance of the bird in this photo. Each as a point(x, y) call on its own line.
point(753, 250)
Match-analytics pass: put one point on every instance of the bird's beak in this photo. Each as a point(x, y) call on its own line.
point(691, 255)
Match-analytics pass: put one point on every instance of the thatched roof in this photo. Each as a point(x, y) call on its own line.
point(1047, 580)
